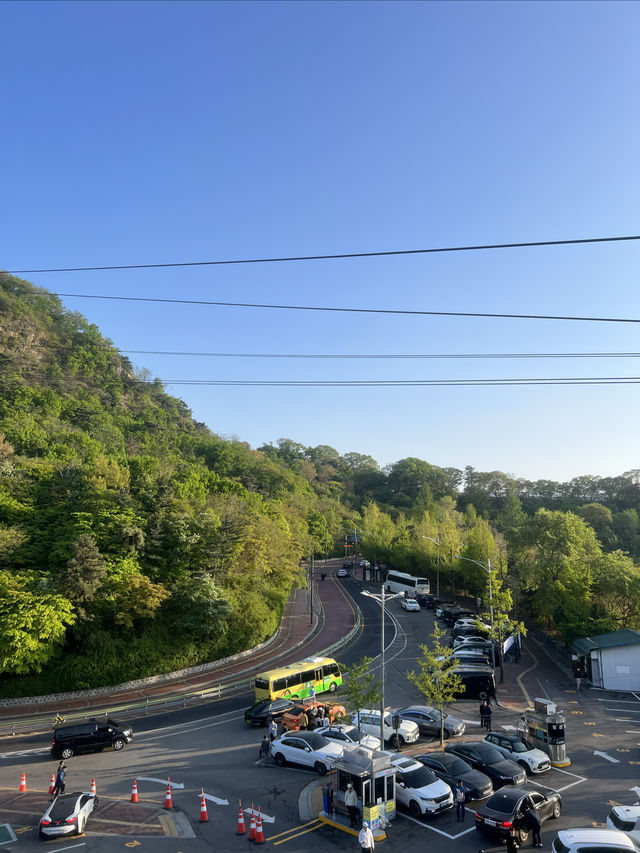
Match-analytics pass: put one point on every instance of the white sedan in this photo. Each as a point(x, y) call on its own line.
point(348, 735)
point(409, 604)
point(308, 749)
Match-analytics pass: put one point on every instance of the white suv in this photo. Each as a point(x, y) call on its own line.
point(418, 788)
point(594, 841)
point(626, 819)
point(370, 724)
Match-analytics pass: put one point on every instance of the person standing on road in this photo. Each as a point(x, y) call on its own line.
point(265, 746)
point(273, 730)
point(460, 798)
point(304, 722)
point(485, 715)
point(577, 674)
point(351, 802)
point(533, 821)
point(331, 805)
point(312, 693)
point(366, 838)
point(59, 786)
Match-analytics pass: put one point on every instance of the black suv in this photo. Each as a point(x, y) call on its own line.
point(92, 736)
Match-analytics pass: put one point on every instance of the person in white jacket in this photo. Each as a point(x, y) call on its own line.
point(351, 802)
point(366, 838)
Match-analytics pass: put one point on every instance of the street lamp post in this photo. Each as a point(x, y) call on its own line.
point(382, 598)
point(487, 569)
point(437, 543)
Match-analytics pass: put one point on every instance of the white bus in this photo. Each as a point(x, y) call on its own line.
point(403, 582)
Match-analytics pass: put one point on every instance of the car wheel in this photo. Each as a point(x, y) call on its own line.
point(556, 810)
point(332, 687)
point(279, 759)
point(525, 767)
point(67, 752)
point(118, 744)
point(397, 741)
point(414, 809)
point(95, 802)
point(320, 768)
point(523, 835)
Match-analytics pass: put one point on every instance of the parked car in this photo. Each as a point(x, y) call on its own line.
point(308, 749)
point(425, 600)
point(450, 615)
point(463, 639)
point(475, 630)
point(266, 710)
point(429, 719)
point(409, 604)
point(503, 813)
point(450, 768)
point(370, 724)
point(90, 736)
point(594, 841)
point(626, 819)
point(345, 733)
point(419, 789)
point(471, 654)
point(67, 815)
point(486, 758)
point(442, 605)
point(478, 679)
point(519, 749)
point(291, 717)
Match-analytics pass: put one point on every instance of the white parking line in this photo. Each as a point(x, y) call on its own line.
point(578, 779)
point(433, 828)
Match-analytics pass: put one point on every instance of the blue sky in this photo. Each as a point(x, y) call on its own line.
point(163, 132)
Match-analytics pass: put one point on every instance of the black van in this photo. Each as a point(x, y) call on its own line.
point(477, 678)
point(91, 736)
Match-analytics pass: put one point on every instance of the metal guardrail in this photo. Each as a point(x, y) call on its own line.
point(41, 723)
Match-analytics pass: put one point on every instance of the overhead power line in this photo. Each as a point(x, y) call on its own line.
point(341, 255)
point(400, 311)
point(401, 383)
point(469, 355)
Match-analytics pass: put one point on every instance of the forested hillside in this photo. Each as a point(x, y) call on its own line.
point(133, 540)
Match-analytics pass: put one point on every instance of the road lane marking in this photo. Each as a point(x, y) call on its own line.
point(608, 757)
point(433, 828)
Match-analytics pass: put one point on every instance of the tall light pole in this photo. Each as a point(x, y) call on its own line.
point(382, 598)
point(437, 543)
point(487, 569)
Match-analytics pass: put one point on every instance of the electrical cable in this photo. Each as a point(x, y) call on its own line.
point(375, 383)
point(486, 355)
point(341, 255)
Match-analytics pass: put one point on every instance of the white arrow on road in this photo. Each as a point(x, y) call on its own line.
point(470, 722)
point(608, 757)
point(161, 781)
point(636, 791)
point(216, 800)
point(510, 728)
point(265, 817)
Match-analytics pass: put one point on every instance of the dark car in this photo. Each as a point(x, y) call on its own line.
point(428, 721)
point(503, 813)
point(424, 600)
point(478, 679)
point(451, 615)
point(67, 815)
point(263, 712)
point(450, 768)
point(486, 758)
point(91, 736)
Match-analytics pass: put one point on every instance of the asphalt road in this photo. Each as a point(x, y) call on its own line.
point(211, 748)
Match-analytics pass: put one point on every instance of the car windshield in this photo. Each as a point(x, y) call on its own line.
point(420, 777)
point(458, 766)
point(317, 741)
point(521, 746)
point(489, 754)
point(64, 806)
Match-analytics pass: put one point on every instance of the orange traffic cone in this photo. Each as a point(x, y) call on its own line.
point(252, 825)
point(167, 800)
point(204, 817)
point(23, 783)
point(259, 839)
point(93, 787)
point(52, 783)
point(241, 827)
point(134, 792)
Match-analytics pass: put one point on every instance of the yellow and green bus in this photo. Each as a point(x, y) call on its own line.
point(296, 679)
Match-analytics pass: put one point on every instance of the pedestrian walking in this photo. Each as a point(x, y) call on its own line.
point(533, 821)
point(351, 802)
point(273, 730)
point(460, 798)
point(577, 674)
point(485, 715)
point(265, 746)
point(365, 838)
point(59, 786)
point(303, 722)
